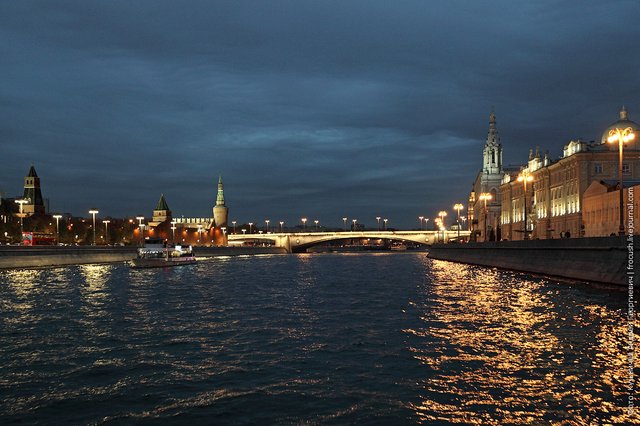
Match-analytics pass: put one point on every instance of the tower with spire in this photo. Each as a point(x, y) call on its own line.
point(33, 193)
point(161, 213)
point(485, 220)
point(220, 210)
point(492, 154)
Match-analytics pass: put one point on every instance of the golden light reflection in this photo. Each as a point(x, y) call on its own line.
point(503, 349)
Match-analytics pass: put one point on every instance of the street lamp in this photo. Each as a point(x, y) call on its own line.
point(94, 212)
point(378, 219)
point(621, 136)
point(426, 223)
point(484, 197)
point(385, 220)
point(442, 214)
point(316, 222)
point(458, 207)
point(354, 224)
point(250, 226)
point(281, 224)
point(344, 219)
point(421, 218)
point(267, 222)
point(106, 231)
point(524, 178)
point(304, 223)
point(233, 222)
point(21, 202)
point(141, 225)
point(57, 217)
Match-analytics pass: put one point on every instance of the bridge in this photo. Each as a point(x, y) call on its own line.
point(296, 242)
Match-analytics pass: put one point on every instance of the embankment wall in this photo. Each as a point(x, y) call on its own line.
point(37, 257)
point(604, 260)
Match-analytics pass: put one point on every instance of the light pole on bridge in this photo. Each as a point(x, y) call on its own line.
point(344, 219)
point(378, 219)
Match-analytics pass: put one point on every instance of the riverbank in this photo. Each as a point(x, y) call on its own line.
point(46, 256)
point(603, 260)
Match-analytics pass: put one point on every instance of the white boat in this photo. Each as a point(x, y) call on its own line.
point(157, 254)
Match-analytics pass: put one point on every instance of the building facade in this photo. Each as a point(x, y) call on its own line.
point(554, 197)
point(601, 208)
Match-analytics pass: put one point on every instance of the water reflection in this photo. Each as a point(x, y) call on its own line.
point(501, 348)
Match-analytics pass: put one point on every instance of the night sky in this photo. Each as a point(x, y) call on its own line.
point(320, 109)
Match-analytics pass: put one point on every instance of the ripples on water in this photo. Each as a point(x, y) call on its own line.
point(329, 339)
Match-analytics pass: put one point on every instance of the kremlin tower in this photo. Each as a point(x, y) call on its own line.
point(220, 211)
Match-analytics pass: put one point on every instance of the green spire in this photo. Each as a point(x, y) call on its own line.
point(162, 203)
point(220, 197)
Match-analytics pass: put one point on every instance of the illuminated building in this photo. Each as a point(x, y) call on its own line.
point(555, 200)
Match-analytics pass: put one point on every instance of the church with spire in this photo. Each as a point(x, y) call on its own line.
point(484, 201)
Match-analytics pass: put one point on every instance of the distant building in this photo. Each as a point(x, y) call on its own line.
point(33, 195)
point(191, 230)
point(555, 196)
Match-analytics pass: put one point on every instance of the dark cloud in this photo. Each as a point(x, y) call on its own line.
point(322, 109)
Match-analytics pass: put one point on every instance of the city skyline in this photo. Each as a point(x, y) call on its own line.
point(322, 110)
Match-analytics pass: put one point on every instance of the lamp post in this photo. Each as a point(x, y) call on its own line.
point(484, 197)
point(378, 219)
point(267, 222)
point(173, 231)
point(354, 224)
point(316, 222)
point(458, 207)
point(621, 136)
point(385, 220)
point(281, 224)
point(21, 202)
point(442, 214)
point(525, 177)
point(57, 217)
point(94, 212)
point(106, 231)
point(250, 226)
point(233, 222)
point(304, 223)
point(421, 218)
point(141, 225)
point(426, 223)
point(344, 219)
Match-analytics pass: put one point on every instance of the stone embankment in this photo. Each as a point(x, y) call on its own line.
point(43, 256)
point(604, 260)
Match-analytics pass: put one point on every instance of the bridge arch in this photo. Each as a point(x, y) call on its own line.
point(300, 241)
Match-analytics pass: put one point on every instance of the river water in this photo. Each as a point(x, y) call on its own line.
point(380, 338)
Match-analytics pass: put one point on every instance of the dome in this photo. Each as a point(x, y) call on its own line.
point(622, 123)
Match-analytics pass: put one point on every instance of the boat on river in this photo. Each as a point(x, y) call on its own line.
point(157, 254)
